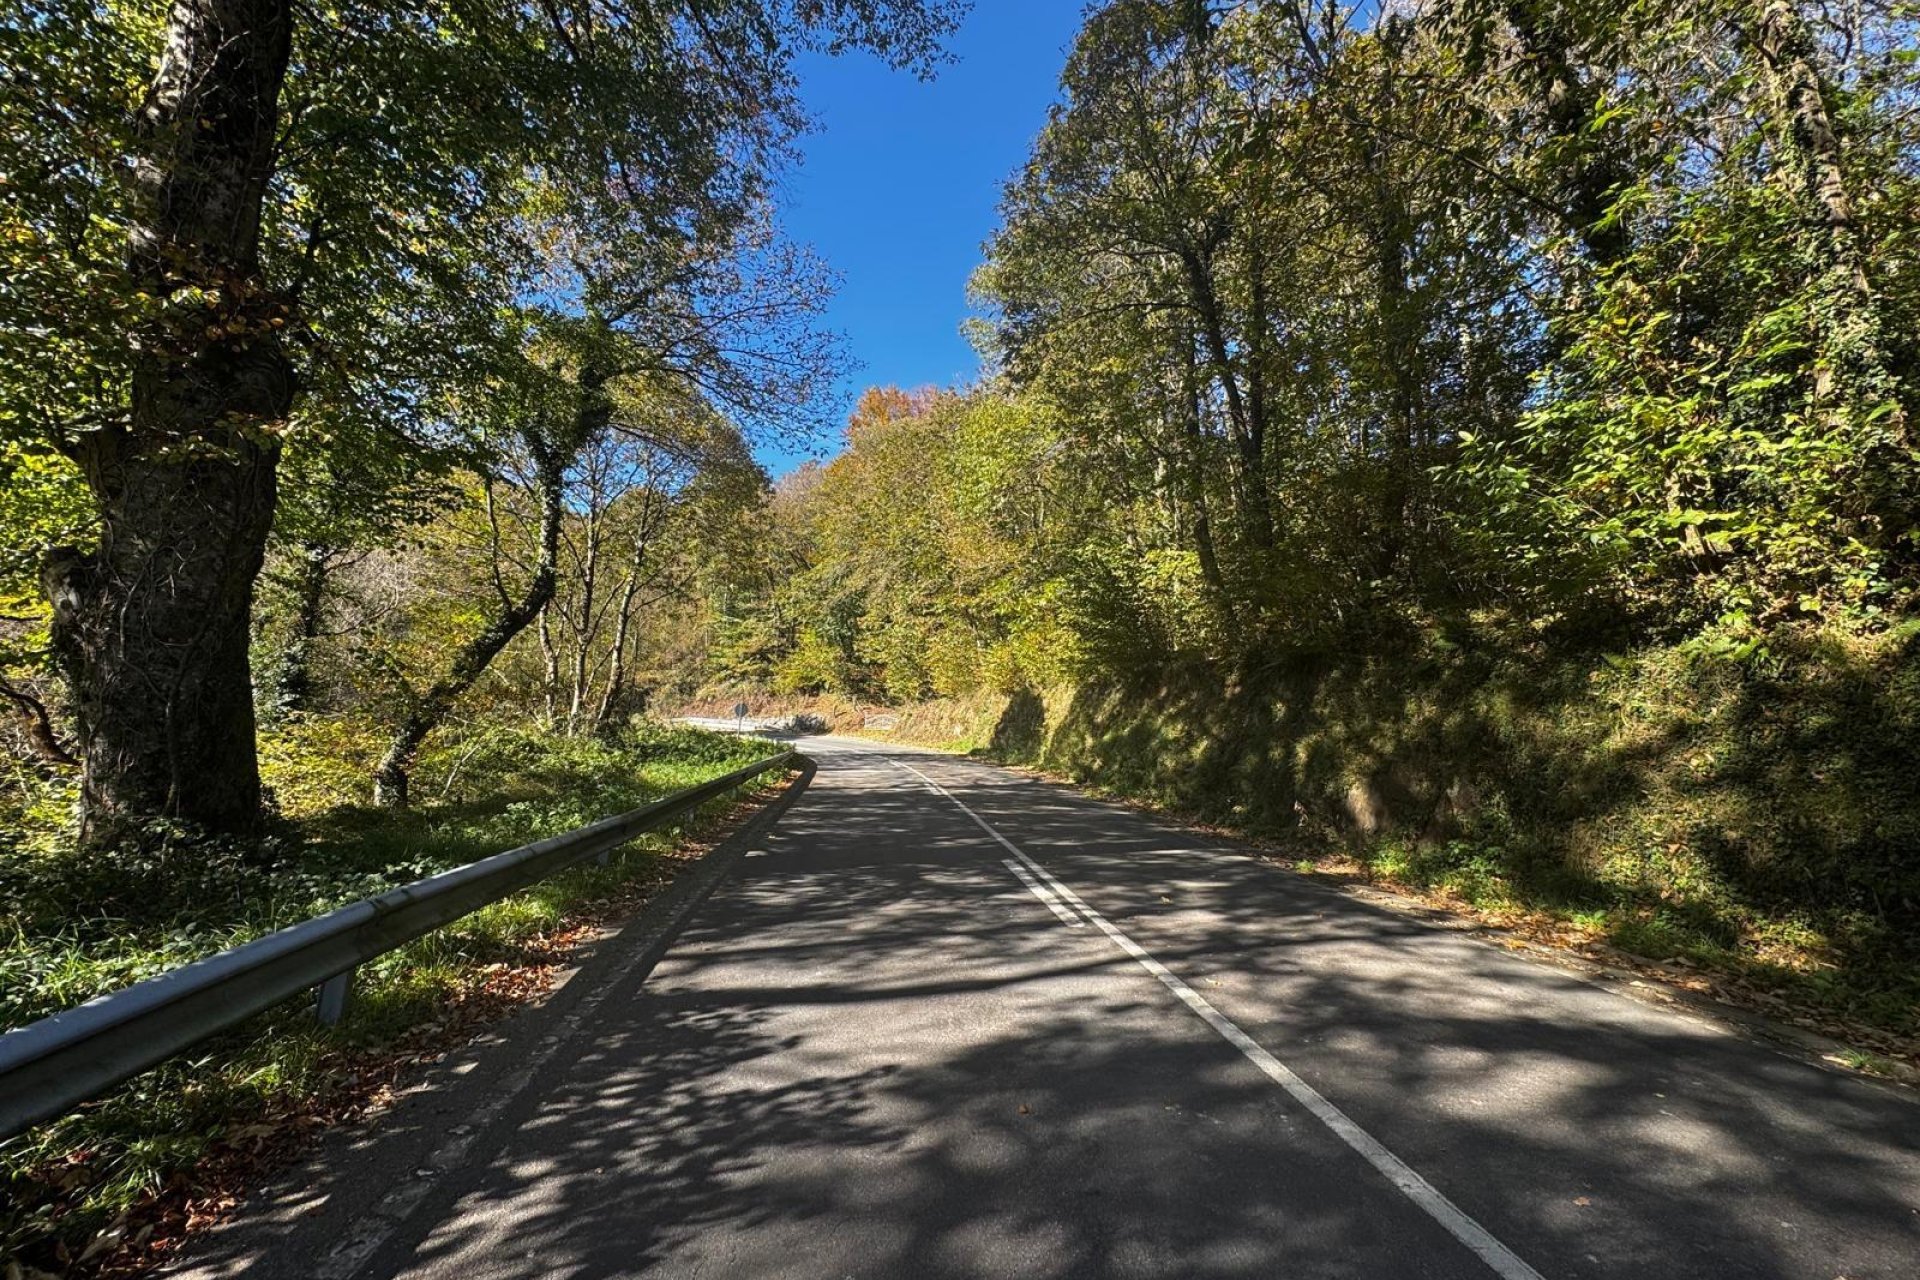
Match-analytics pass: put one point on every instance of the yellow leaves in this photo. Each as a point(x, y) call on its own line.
point(317, 763)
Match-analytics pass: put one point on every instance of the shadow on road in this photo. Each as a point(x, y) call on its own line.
point(875, 1055)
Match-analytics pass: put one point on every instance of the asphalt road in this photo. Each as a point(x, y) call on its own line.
point(945, 1021)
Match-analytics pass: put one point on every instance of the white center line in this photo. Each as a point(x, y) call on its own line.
point(1503, 1261)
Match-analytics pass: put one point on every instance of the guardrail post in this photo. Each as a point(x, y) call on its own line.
point(333, 998)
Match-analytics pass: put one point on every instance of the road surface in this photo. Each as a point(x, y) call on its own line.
point(946, 1021)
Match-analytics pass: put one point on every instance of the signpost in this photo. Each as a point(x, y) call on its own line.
point(740, 717)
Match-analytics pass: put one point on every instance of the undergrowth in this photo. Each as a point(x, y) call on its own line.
point(1756, 815)
point(1759, 817)
point(76, 927)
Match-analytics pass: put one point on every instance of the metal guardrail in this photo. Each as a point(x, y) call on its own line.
point(50, 1066)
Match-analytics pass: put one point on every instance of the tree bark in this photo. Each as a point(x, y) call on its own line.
point(1853, 342)
point(1194, 487)
point(295, 685)
point(550, 673)
point(1249, 429)
point(150, 629)
point(1396, 341)
point(391, 777)
point(584, 628)
point(612, 694)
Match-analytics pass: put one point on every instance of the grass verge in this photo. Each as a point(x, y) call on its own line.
point(112, 1187)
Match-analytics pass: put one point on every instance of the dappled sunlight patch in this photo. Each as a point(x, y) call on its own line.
point(1742, 820)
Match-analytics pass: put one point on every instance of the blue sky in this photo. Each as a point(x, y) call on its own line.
point(901, 181)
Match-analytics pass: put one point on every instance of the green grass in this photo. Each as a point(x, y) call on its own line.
point(1873, 1064)
point(77, 927)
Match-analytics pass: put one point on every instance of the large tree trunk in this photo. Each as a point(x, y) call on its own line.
point(151, 628)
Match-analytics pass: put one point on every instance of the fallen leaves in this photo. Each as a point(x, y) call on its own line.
point(1886, 1052)
point(362, 1080)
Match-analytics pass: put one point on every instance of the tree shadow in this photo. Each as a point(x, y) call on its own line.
point(1766, 817)
point(877, 1055)
point(1021, 732)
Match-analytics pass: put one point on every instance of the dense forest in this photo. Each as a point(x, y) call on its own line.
point(1476, 432)
point(1402, 377)
point(1470, 435)
point(376, 323)
point(377, 380)
point(1311, 326)
point(1473, 420)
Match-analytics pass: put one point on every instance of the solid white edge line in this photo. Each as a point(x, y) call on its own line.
point(1046, 895)
point(1503, 1261)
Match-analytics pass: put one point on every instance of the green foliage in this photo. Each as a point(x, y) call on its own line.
point(479, 239)
point(923, 558)
point(1689, 451)
point(1353, 324)
point(75, 76)
point(42, 504)
point(78, 926)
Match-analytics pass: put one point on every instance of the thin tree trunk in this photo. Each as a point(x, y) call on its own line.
point(1196, 489)
point(150, 630)
point(1397, 345)
point(617, 663)
point(653, 513)
point(1396, 350)
point(390, 778)
point(1249, 431)
point(551, 671)
point(1856, 377)
point(584, 630)
point(295, 685)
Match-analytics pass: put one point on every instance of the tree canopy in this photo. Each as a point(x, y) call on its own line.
point(1314, 323)
point(394, 241)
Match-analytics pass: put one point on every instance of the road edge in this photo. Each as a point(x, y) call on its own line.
point(331, 1211)
point(1637, 979)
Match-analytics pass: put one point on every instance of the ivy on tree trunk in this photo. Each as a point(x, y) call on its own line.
point(150, 628)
